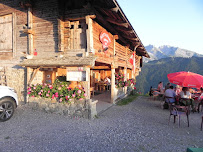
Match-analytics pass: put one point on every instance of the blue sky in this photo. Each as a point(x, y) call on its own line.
point(177, 23)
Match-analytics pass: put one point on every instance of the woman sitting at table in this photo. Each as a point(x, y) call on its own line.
point(160, 88)
point(178, 90)
point(186, 98)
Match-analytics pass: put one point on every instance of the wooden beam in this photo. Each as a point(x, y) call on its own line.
point(136, 46)
point(116, 37)
point(124, 24)
point(99, 17)
point(34, 72)
point(131, 38)
point(30, 26)
point(60, 35)
point(141, 47)
point(89, 35)
point(79, 14)
point(80, 17)
point(101, 67)
point(115, 9)
point(124, 30)
point(28, 31)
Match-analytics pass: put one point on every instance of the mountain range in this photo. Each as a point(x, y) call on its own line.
point(166, 51)
point(155, 71)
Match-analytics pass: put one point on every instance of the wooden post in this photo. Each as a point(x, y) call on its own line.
point(60, 35)
point(125, 78)
point(28, 78)
point(30, 26)
point(115, 37)
point(33, 76)
point(88, 82)
point(112, 84)
point(89, 33)
point(75, 40)
point(14, 34)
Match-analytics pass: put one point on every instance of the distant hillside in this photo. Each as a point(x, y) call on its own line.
point(155, 71)
point(166, 51)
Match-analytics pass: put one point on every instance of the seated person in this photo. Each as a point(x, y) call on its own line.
point(186, 98)
point(151, 91)
point(178, 90)
point(192, 90)
point(107, 81)
point(170, 95)
point(167, 86)
point(200, 98)
point(160, 88)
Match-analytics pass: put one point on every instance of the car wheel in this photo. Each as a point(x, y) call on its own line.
point(7, 107)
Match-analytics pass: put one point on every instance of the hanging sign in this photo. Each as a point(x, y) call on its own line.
point(105, 39)
point(76, 76)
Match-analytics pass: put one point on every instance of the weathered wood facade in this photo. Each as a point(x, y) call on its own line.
point(55, 35)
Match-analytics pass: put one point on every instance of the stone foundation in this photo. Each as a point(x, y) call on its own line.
point(123, 92)
point(78, 108)
point(15, 78)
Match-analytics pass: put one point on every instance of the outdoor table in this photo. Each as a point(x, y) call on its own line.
point(101, 86)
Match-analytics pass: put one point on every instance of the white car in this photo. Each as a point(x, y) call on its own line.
point(8, 102)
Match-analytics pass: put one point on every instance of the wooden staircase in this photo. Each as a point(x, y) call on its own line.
point(3, 81)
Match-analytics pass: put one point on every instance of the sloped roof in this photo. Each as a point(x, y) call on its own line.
point(109, 14)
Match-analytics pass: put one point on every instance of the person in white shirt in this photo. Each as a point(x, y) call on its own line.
point(107, 80)
point(170, 95)
point(186, 98)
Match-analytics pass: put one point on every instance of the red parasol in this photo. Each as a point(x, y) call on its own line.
point(186, 79)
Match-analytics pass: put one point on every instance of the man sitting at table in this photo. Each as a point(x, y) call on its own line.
point(170, 95)
point(108, 82)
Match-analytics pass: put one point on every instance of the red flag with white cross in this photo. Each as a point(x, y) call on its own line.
point(132, 61)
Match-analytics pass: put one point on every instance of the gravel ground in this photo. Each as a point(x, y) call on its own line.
point(139, 126)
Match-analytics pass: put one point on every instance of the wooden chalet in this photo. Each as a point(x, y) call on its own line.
point(84, 40)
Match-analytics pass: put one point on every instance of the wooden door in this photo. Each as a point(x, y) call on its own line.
point(6, 33)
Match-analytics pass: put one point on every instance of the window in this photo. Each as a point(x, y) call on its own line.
point(6, 33)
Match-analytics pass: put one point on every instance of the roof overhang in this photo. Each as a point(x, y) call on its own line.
point(58, 61)
point(110, 14)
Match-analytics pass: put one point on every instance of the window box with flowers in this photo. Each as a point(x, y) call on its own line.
point(58, 90)
point(121, 84)
point(58, 98)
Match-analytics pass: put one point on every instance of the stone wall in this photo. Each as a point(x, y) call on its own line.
point(15, 78)
point(77, 108)
point(123, 92)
